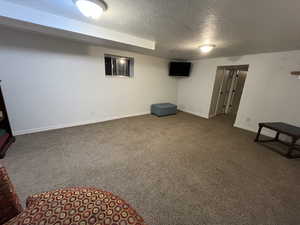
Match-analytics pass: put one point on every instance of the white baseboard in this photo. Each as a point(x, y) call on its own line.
point(194, 113)
point(75, 124)
point(265, 132)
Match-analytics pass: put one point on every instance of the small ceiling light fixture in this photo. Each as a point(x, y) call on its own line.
point(206, 48)
point(91, 8)
point(122, 61)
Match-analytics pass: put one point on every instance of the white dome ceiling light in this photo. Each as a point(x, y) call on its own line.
point(206, 48)
point(91, 8)
point(122, 61)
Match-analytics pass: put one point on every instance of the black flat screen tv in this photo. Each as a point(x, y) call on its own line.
point(180, 69)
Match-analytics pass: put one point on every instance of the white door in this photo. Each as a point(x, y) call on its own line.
point(238, 91)
point(216, 92)
point(224, 92)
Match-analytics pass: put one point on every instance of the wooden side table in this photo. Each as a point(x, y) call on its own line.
point(282, 128)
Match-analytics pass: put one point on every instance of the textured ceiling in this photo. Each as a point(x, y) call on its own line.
point(237, 27)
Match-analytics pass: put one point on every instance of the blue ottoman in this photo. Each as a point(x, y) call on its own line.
point(163, 109)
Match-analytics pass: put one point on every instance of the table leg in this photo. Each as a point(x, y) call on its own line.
point(291, 148)
point(258, 133)
point(277, 136)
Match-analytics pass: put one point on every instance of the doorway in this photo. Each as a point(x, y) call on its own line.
point(227, 93)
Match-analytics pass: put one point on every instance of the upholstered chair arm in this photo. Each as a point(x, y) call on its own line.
point(9, 202)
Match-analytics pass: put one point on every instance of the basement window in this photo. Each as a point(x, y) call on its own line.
point(118, 65)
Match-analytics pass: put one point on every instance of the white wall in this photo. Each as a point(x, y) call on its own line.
point(51, 83)
point(270, 92)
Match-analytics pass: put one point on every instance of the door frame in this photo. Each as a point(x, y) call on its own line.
point(244, 67)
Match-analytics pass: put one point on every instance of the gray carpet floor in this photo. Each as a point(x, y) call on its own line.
point(177, 170)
